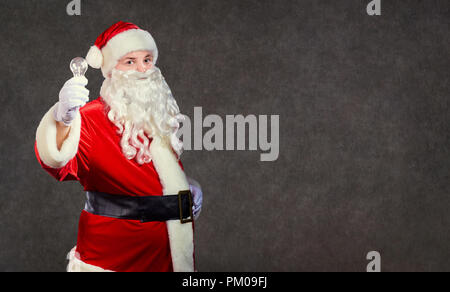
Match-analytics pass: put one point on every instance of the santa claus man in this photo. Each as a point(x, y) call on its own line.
point(122, 147)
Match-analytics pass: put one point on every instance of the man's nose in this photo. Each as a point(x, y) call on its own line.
point(141, 67)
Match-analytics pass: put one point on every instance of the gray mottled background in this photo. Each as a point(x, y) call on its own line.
point(364, 128)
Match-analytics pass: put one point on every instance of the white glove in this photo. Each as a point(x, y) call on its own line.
point(197, 197)
point(72, 96)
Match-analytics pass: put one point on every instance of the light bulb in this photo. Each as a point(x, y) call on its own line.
point(78, 66)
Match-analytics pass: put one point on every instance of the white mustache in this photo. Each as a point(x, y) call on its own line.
point(150, 74)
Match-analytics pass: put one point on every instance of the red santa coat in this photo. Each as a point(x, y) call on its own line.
point(93, 156)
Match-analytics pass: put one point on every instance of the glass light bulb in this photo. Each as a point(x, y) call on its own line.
point(78, 66)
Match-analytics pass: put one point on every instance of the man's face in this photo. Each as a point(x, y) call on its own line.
point(139, 61)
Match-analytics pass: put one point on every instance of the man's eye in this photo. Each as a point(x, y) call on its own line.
point(129, 62)
point(148, 60)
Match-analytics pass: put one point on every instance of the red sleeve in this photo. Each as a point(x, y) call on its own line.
point(78, 167)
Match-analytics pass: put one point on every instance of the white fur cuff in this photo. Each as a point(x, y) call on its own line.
point(46, 141)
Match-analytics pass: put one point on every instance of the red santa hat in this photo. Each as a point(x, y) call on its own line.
point(115, 42)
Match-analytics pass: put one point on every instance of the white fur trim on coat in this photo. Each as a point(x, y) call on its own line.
point(46, 141)
point(77, 265)
point(173, 180)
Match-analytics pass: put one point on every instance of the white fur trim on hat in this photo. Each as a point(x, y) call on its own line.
point(46, 141)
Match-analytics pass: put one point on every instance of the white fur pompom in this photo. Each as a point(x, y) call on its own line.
point(94, 57)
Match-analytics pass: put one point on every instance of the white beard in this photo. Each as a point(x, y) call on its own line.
point(142, 106)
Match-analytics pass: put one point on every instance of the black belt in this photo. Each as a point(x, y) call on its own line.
point(145, 209)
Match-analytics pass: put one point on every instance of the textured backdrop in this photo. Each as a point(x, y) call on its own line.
point(364, 115)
